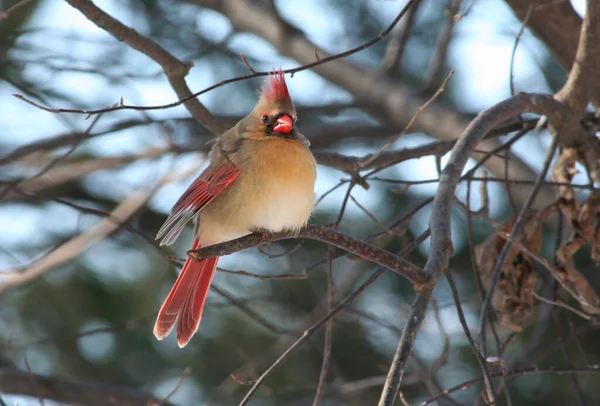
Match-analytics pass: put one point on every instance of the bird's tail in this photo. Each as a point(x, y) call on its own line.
point(185, 302)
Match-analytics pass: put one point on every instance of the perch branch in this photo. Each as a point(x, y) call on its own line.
point(324, 234)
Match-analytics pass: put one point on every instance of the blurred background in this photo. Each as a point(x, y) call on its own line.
point(68, 181)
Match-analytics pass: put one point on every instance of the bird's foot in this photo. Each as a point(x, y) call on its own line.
point(265, 236)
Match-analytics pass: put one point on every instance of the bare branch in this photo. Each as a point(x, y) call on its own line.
point(4, 14)
point(592, 369)
point(14, 381)
point(441, 242)
point(74, 247)
point(556, 23)
point(174, 69)
point(323, 234)
point(396, 104)
point(309, 332)
point(395, 48)
point(438, 61)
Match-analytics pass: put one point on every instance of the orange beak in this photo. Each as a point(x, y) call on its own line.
point(283, 125)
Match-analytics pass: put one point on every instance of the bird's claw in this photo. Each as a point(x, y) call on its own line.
point(265, 236)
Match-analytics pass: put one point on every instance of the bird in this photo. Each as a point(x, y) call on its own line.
point(261, 178)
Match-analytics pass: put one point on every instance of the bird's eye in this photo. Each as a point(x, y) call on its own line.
point(265, 118)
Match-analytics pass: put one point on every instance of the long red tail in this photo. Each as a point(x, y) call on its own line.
point(185, 302)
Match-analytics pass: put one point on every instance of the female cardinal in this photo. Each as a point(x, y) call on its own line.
point(261, 177)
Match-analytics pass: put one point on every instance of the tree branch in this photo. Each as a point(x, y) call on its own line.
point(440, 248)
point(174, 69)
point(324, 234)
point(14, 381)
point(395, 103)
point(558, 26)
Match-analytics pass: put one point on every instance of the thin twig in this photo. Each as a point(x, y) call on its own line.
point(561, 304)
point(463, 322)
point(250, 68)
point(442, 87)
point(309, 332)
point(593, 369)
point(183, 100)
point(438, 60)
point(516, 231)
point(514, 49)
point(397, 44)
point(186, 373)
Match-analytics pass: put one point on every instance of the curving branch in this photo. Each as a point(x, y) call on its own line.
point(577, 91)
point(117, 218)
point(174, 69)
point(558, 26)
point(441, 236)
point(324, 234)
point(17, 382)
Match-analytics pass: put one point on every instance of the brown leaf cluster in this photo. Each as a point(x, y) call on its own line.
point(512, 298)
point(585, 227)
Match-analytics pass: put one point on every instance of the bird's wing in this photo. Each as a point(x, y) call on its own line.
point(205, 188)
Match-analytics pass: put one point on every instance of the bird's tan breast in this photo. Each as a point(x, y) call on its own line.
point(275, 192)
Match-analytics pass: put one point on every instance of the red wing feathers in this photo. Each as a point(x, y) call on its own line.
point(185, 302)
point(205, 188)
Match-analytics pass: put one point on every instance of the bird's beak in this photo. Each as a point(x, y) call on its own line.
point(283, 125)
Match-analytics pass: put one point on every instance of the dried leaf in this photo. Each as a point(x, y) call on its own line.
point(596, 243)
point(584, 228)
point(563, 172)
point(512, 298)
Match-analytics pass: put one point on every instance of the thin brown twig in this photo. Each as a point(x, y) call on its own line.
point(511, 81)
point(309, 332)
point(370, 215)
point(561, 304)
point(442, 87)
point(331, 301)
point(13, 185)
point(436, 65)
point(328, 332)
point(264, 277)
point(186, 373)
point(242, 382)
point(397, 43)
point(288, 251)
point(463, 322)
point(516, 230)
point(250, 312)
point(593, 369)
point(33, 381)
point(247, 64)
point(183, 100)
point(175, 70)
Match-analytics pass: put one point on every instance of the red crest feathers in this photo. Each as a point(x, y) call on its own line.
point(275, 88)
